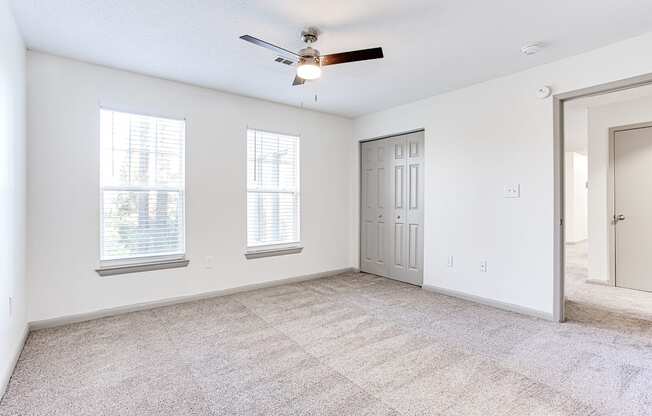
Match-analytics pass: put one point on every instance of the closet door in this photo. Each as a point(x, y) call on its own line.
point(373, 233)
point(414, 174)
point(406, 188)
point(392, 207)
point(397, 224)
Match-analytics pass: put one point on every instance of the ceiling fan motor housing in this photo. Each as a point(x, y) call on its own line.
point(309, 53)
point(310, 35)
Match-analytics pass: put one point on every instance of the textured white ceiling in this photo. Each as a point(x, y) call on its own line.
point(430, 46)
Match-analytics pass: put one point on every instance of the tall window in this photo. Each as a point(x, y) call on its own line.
point(272, 189)
point(142, 187)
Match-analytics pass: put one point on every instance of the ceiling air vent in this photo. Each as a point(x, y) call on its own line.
point(282, 60)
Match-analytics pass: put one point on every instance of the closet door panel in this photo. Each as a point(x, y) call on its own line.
point(373, 201)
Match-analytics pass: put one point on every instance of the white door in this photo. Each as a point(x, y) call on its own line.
point(398, 210)
point(633, 208)
point(374, 185)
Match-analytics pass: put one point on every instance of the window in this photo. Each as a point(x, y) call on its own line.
point(142, 188)
point(273, 197)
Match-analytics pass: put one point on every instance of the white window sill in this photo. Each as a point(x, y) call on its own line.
point(272, 251)
point(141, 267)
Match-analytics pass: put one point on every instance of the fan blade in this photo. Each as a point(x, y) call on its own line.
point(352, 56)
point(268, 45)
point(298, 81)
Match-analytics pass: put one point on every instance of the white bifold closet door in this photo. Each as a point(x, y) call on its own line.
point(392, 207)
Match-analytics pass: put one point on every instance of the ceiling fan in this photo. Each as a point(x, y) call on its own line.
point(308, 59)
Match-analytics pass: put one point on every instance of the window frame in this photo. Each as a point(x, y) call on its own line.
point(142, 263)
point(276, 249)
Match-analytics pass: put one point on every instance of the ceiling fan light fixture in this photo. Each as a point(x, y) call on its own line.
point(309, 69)
point(310, 60)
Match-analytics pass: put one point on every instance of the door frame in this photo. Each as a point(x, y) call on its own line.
point(611, 193)
point(558, 100)
point(360, 177)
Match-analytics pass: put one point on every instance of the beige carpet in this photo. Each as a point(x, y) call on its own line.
point(596, 300)
point(348, 345)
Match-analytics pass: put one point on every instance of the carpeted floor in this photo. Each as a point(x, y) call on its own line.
point(595, 299)
point(353, 344)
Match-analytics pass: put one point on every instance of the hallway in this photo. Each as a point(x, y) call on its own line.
point(596, 302)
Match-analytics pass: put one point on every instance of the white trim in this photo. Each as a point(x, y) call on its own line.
point(574, 243)
point(279, 246)
point(4, 378)
point(598, 282)
point(141, 267)
point(271, 251)
point(142, 189)
point(135, 261)
point(387, 136)
point(510, 307)
point(119, 310)
point(117, 109)
point(559, 249)
point(280, 133)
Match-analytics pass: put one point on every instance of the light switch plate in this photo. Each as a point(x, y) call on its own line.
point(512, 191)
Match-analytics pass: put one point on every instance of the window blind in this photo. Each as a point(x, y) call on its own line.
point(142, 186)
point(272, 189)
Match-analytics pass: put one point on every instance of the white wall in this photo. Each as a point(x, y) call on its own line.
point(63, 187)
point(12, 193)
point(600, 119)
point(576, 170)
point(477, 140)
point(576, 127)
point(575, 199)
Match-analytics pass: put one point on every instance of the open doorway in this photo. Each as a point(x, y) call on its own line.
point(607, 209)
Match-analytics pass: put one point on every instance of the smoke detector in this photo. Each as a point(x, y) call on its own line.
point(544, 92)
point(531, 48)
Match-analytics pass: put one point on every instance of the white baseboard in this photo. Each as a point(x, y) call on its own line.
point(572, 243)
point(490, 302)
point(4, 378)
point(103, 313)
point(599, 282)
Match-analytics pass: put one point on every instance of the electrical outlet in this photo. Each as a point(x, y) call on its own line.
point(483, 266)
point(512, 191)
point(450, 261)
point(209, 262)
